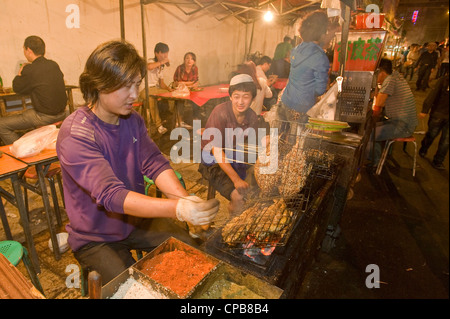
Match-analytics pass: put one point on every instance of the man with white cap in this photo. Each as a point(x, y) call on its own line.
point(229, 123)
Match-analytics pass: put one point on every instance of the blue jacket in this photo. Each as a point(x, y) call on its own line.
point(308, 77)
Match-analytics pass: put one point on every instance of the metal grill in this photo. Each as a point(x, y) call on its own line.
point(270, 215)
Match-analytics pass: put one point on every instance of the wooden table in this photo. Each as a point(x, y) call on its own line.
point(13, 284)
point(5, 97)
point(42, 162)
point(13, 169)
point(200, 97)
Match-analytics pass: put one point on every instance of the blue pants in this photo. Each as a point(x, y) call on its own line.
point(387, 130)
point(436, 126)
point(423, 76)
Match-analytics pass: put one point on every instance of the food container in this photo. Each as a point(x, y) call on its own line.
point(182, 275)
point(222, 280)
point(227, 282)
point(112, 287)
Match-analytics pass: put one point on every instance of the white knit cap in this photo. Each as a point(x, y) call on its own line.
point(241, 78)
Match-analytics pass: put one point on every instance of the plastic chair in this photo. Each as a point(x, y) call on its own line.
point(149, 182)
point(411, 139)
point(15, 252)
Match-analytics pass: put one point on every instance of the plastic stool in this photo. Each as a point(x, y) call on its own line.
point(54, 170)
point(15, 252)
point(411, 139)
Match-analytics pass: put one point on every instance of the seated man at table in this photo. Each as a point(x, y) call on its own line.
point(219, 142)
point(156, 83)
point(43, 80)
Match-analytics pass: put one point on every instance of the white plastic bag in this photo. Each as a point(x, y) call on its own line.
point(181, 91)
point(32, 143)
point(326, 107)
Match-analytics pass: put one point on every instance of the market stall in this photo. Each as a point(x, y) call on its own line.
point(274, 239)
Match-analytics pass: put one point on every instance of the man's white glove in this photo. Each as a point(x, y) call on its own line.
point(197, 211)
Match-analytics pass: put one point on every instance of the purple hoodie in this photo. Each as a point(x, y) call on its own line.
point(100, 164)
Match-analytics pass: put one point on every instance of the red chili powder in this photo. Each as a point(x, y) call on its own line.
point(178, 270)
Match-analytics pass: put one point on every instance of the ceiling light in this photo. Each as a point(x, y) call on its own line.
point(268, 16)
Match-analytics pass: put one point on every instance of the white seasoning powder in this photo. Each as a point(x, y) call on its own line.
point(133, 289)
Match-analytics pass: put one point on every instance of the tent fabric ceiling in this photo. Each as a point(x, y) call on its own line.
point(246, 11)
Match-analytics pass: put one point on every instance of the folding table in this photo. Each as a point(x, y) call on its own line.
point(13, 168)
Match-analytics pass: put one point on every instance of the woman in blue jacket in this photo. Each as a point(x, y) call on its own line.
point(308, 76)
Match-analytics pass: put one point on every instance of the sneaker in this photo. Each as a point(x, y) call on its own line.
point(438, 166)
point(162, 130)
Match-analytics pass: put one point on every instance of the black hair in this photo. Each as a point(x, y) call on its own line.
point(314, 26)
point(386, 66)
point(161, 47)
point(264, 59)
point(111, 66)
point(192, 54)
point(35, 44)
point(244, 87)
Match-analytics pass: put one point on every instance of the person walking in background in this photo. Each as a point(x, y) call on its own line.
point(425, 65)
point(411, 61)
point(43, 80)
point(443, 69)
point(436, 103)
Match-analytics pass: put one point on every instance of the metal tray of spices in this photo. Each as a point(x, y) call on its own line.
point(227, 282)
point(131, 284)
point(177, 266)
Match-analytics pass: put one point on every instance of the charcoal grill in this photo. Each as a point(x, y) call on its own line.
point(268, 218)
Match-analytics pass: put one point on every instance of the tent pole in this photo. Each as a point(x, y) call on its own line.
point(122, 21)
point(144, 50)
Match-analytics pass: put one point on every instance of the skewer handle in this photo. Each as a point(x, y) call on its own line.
point(95, 285)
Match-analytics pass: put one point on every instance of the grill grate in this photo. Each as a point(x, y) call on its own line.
point(270, 215)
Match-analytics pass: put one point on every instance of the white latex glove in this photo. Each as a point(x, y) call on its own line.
point(197, 211)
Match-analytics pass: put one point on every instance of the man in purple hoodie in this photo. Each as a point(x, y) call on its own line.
point(104, 151)
point(308, 77)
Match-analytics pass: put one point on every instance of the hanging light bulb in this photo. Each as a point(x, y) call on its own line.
point(268, 16)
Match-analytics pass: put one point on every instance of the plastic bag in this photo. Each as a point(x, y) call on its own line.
point(326, 107)
point(181, 91)
point(32, 143)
